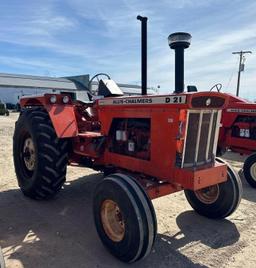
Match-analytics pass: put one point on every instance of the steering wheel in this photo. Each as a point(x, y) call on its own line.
point(95, 92)
point(218, 87)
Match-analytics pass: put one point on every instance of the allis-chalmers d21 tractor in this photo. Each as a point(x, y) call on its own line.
point(147, 146)
point(238, 133)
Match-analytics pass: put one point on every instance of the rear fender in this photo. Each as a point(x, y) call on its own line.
point(63, 119)
point(62, 115)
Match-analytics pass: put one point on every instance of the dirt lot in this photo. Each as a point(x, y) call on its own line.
point(61, 232)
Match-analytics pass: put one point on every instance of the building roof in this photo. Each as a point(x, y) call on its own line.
point(135, 89)
point(40, 82)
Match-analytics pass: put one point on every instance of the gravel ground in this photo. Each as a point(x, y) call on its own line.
point(61, 232)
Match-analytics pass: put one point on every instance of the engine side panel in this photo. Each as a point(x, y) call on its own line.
point(149, 139)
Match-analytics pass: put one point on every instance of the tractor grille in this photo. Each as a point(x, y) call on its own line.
point(201, 137)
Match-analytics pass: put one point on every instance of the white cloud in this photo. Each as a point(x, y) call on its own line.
point(45, 66)
point(99, 35)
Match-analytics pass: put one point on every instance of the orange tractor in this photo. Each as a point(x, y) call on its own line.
point(147, 146)
point(238, 133)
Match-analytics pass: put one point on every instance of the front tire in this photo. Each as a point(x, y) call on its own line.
point(250, 170)
point(221, 151)
point(40, 157)
point(124, 217)
point(218, 201)
point(2, 263)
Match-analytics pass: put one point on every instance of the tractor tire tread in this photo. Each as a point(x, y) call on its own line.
point(250, 160)
point(51, 168)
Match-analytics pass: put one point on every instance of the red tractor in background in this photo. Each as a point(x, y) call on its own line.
point(147, 146)
point(238, 133)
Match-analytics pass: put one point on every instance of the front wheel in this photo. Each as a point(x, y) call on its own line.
point(124, 217)
point(2, 264)
point(250, 170)
point(220, 200)
point(220, 151)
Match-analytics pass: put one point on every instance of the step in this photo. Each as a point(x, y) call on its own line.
point(90, 134)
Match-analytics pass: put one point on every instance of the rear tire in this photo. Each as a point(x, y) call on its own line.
point(40, 157)
point(218, 201)
point(250, 170)
point(130, 232)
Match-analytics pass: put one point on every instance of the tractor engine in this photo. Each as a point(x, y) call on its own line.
point(131, 137)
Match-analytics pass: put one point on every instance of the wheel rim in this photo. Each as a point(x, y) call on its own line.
point(253, 171)
point(28, 154)
point(208, 195)
point(112, 220)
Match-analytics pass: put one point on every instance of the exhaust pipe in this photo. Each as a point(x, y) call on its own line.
point(143, 54)
point(179, 41)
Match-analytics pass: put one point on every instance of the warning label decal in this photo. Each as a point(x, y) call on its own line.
point(234, 110)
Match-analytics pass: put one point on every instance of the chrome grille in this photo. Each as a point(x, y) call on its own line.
point(201, 137)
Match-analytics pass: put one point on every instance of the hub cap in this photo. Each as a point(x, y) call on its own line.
point(29, 154)
point(208, 195)
point(112, 220)
point(253, 171)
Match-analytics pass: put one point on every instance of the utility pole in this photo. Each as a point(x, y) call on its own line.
point(240, 68)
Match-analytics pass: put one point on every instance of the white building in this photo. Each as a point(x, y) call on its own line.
point(12, 86)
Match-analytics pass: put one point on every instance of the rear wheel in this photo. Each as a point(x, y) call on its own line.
point(220, 200)
point(250, 170)
point(40, 158)
point(124, 217)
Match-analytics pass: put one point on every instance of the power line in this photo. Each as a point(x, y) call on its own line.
point(231, 76)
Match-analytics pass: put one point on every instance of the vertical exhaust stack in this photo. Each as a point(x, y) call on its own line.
point(143, 54)
point(179, 41)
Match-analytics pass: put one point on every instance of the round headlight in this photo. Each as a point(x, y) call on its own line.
point(179, 39)
point(65, 99)
point(53, 99)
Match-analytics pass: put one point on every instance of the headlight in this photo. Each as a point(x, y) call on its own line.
point(65, 99)
point(53, 99)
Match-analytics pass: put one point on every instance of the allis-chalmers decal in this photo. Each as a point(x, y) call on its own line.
point(152, 100)
point(233, 110)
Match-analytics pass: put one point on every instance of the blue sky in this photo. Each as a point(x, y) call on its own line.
point(61, 38)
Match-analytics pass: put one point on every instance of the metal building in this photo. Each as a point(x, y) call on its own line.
point(13, 86)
